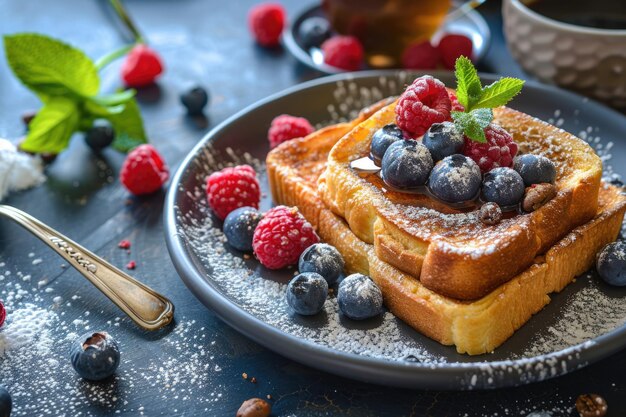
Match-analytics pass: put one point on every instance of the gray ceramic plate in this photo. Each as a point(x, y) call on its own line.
point(581, 325)
point(471, 25)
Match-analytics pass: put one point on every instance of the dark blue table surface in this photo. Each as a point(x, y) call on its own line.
point(194, 367)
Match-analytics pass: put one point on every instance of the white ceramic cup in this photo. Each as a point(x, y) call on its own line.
point(588, 60)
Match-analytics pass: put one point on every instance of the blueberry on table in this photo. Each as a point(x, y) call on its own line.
point(95, 356)
point(195, 100)
point(381, 140)
point(99, 137)
point(359, 297)
point(306, 293)
point(6, 403)
point(314, 31)
point(535, 169)
point(455, 179)
point(239, 227)
point(406, 164)
point(611, 263)
point(503, 186)
point(443, 139)
point(323, 259)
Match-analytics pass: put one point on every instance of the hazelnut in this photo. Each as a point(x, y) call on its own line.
point(591, 405)
point(537, 195)
point(254, 407)
point(490, 213)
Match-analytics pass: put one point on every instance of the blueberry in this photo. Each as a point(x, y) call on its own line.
point(95, 355)
point(359, 297)
point(611, 263)
point(314, 31)
point(406, 164)
point(195, 100)
point(306, 293)
point(239, 227)
point(99, 137)
point(503, 186)
point(381, 140)
point(443, 139)
point(535, 169)
point(6, 403)
point(456, 178)
point(323, 259)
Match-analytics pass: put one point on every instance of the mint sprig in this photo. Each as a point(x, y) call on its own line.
point(478, 100)
point(67, 82)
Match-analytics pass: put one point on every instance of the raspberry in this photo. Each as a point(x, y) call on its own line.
point(3, 314)
point(344, 52)
point(266, 22)
point(499, 150)
point(281, 237)
point(423, 103)
point(232, 188)
point(124, 244)
point(144, 171)
point(285, 127)
point(420, 56)
point(141, 67)
point(131, 265)
point(454, 101)
point(453, 46)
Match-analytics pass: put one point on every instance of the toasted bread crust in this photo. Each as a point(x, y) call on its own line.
point(450, 252)
point(475, 327)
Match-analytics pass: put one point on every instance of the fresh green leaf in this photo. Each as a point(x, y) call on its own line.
point(482, 117)
point(98, 110)
point(468, 88)
point(499, 93)
point(114, 99)
point(51, 130)
point(50, 67)
point(128, 123)
point(473, 124)
point(112, 56)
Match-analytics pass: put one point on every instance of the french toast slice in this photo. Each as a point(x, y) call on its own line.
point(450, 252)
point(474, 327)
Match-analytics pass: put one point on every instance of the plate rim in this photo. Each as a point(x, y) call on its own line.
point(304, 58)
point(445, 375)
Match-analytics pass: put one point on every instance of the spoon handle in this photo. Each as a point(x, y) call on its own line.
point(147, 308)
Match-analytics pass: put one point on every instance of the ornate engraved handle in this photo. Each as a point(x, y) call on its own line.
point(146, 307)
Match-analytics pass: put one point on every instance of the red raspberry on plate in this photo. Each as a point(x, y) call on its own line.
point(267, 21)
point(3, 314)
point(232, 188)
point(453, 46)
point(499, 150)
point(286, 127)
point(281, 237)
point(141, 66)
point(423, 103)
point(144, 171)
point(420, 55)
point(454, 101)
point(344, 52)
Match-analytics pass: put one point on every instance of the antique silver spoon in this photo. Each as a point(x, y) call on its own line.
point(146, 307)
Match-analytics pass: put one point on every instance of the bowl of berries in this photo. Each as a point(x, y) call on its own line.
point(316, 40)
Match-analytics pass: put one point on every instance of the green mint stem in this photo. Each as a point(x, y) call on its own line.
point(126, 19)
point(112, 56)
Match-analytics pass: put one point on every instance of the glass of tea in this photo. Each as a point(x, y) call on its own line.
point(386, 27)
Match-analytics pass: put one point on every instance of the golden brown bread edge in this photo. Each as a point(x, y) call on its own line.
point(463, 261)
point(473, 327)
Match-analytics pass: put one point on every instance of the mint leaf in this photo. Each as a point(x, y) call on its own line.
point(128, 127)
point(468, 89)
point(473, 124)
point(96, 109)
point(114, 99)
point(499, 93)
point(51, 130)
point(50, 67)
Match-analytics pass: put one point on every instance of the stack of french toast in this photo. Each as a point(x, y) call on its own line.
point(449, 275)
